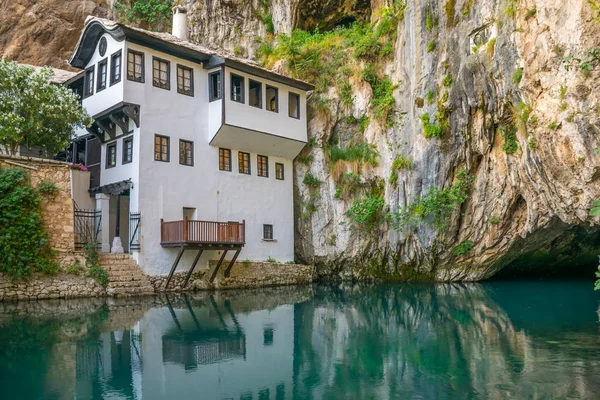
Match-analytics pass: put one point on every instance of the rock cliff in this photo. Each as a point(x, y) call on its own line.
point(486, 158)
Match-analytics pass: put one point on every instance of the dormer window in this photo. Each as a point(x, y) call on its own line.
point(88, 88)
point(214, 83)
point(237, 88)
point(294, 105)
point(255, 94)
point(160, 73)
point(135, 66)
point(102, 75)
point(115, 68)
point(185, 80)
point(272, 99)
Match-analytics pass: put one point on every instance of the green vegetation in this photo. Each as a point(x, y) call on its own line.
point(429, 21)
point(436, 207)
point(532, 144)
point(530, 13)
point(309, 208)
point(238, 50)
point(362, 152)
point(246, 263)
point(563, 92)
point(311, 181)
point(272, 260)
point(463, 248)
point(351, 182)
point(95, 270)
point(153, 12)
point(394, 178)
point(338, 193)
point(430, 129)
point(346, 94)
point(491, 47)
point(553, 125)
point(450, 9)
point(495, 220)
point(47, 188)
point(305, 160)
point(401, 162)
point(35, 111)
point(510, 9)
point(509, 134)
point(467, 7)
point(517, 76)
point(362, 122)
point(366, 212)
point(595, 211)
point(587, 63)
point(24, 246)
point(448, 80)
point(431, 46)
point(383, 100)
point(76, 268)
point(429, 96)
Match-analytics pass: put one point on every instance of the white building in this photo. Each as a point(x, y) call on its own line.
point(186, 136)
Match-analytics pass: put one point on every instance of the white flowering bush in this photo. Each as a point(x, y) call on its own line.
point(35, 111)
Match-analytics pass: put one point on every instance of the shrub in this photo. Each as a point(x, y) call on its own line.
point(383, 100)
point(463, 248)
point(95, 270)
point(553, 125)
point(495, 220)
point(595, 211)
point(532, 144)
point(305, 160)
point(76, 268)
point(517, 76)
point(338, 193)
point(154, 12)
point(431, 46)
point(272, 260)
point(394, 178)
point(401, 162)
point(363, 152)
point(24, 246)
point(48, 188)
point(311, 181)
point(448, 80)
point(366, 212)
point(429, 21)
point(346, 94)
point(530, 13)
point(430, 129)
point(246, 263)
point(429, 96)
point(509, 134)
point(491, 47)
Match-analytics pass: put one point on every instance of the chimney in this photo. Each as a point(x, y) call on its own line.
point(180, 22)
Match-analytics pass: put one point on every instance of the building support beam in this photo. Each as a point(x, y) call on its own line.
point(214, 274)
point(227, 271)
point(174, 267)
point(189, 274)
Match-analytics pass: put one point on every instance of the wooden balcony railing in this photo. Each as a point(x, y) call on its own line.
point(202, 232)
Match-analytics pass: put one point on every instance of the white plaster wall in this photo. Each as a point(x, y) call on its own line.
point(215, 112)
point(274, 123)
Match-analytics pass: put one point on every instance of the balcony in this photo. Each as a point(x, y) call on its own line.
point(202, 234)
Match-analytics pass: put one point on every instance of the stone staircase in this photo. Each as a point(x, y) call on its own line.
point(125, 276)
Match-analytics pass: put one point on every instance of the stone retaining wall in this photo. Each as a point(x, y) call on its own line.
point(60, 286)
point(262, 274)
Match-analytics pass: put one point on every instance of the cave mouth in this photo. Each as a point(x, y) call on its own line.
point(345, 22)
point(572, 255)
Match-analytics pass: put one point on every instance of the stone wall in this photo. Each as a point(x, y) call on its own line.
point(60, 286)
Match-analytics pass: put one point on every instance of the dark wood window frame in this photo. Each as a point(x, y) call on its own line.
point(241, 163)
point(113, 69)
point(184, 161)
point(133, 77)
point(126, 141)
point(268, 232)
point(211, 94)
point(242, 91)
point(99, 85)
point(167, 85)
point(297, 97)
point(268, 108)
point(279, 167)
point(262, 166)
point(156, 136)
point(182, 90)
point(109, 146)
point(222, 158)
point(260, 96)
point(88, 88)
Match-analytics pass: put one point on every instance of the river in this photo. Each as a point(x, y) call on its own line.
point(493, 340)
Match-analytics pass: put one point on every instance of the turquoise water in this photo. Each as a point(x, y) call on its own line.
point(497, 340)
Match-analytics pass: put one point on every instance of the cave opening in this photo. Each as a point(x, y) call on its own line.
point(572, 255)
point(345, 22)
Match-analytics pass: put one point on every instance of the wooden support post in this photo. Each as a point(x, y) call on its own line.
point(185, 229)
point(228, 270)
point(214, 274)
point(174, 267)
point(189, 274)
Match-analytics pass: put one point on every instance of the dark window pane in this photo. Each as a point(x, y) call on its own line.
point(255, 94)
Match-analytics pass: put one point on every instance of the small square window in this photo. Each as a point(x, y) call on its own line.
point(88, 83)
point(279, 171)
point(272, 99)
point(237, 88)
point(115, 68)
point(263, 166)
point(186, 153)
point(268, 232)
point(255, 94)
point(127, 150)
point(135, 66)
point(224, 159)
point(185, 80)
point(161, 148)
point(111, 155)
point(102, 75)
point(214, 86)
point(161, 71)
point(294, 105)
point(244, 163)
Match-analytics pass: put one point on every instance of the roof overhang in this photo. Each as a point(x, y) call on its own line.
point(113, 188)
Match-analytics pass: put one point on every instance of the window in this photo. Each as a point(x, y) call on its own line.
point(186, 152)
point(263, 166)
point(294, 106)
point(111, 155)
point(255, 94)
point(214, 80)
point(279, 171)
point(185, 80)
point(272, 99)
point(127, 150)
point(161, 148)
point(115, 68)
point(88, 89)
point(268, 333)
point(237, 88)
point(224, 159)
point(135, 66)
point(268, 232)
point(160, 73)
point(244, 163)
point(102, 75)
